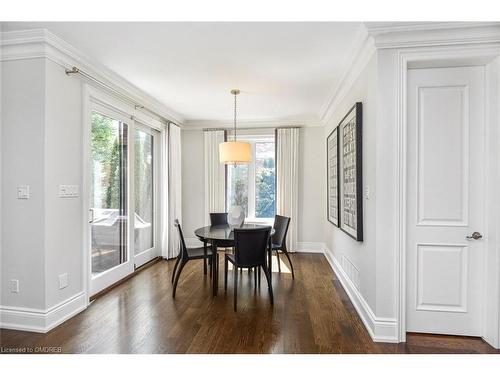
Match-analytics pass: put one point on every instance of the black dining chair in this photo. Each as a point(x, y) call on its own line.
point(278, 239)
point(218, 218)
point(185, 255)
point(250, 249)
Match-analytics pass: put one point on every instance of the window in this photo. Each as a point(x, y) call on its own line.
point(253, 186)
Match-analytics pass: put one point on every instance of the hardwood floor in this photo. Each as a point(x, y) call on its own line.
point(312, 314)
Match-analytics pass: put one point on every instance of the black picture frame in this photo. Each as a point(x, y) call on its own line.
point(332, 192)
point(351, 173)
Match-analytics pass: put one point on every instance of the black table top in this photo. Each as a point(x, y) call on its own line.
point(224, 232)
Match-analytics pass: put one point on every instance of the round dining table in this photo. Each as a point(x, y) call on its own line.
point(223, 236)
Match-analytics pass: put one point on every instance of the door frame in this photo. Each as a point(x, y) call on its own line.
point(489, 56)
point(91, 96)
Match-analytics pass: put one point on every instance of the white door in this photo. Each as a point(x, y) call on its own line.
point(445, 205)
point(146, 194)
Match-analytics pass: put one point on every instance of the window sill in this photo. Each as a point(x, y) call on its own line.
point(269, 221)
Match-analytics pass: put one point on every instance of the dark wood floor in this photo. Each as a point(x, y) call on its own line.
point(311, 315)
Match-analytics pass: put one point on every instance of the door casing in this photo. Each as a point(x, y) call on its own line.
point(427, 57)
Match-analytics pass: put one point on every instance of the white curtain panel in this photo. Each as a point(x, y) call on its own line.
point(215, 174)
point(287, 173)
point(174, 188)
point(164, 193)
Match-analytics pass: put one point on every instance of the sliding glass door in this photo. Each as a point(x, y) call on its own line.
point(146, 205)
point(109, 218)
point(123, 231)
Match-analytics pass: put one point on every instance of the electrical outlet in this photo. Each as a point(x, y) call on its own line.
point(63, 281)
point(14, 286)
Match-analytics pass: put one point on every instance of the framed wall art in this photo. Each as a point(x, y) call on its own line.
point(351, 173)
point(332, 156)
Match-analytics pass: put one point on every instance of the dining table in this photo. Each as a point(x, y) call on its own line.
point(223, 236)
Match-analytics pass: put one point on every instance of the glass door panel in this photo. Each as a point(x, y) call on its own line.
point(143, 191)
point(108, 200)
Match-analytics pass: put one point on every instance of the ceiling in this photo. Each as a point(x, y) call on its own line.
point(286, 71)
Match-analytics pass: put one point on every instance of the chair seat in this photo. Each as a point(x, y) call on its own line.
point(198, 252)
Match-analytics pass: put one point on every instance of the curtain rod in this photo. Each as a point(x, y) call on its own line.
point(75, 70)
point(255, 128)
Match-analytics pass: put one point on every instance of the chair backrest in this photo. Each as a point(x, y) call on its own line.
point(250, 246)
point(182, 243)
point(218, 218)
point(281, 224)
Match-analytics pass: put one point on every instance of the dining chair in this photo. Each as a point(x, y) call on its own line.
point(218, 218)
point(185, 255)
point(278, 239)
point(250, 249)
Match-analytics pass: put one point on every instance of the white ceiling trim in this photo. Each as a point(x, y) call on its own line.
point(425, 34)
point(41, 43)
point(362, 52)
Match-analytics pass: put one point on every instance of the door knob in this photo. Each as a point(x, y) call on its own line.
point(475, 236)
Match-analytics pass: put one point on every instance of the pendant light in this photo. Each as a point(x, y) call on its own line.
point(234, 152)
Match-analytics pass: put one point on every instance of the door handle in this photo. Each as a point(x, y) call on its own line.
point(475, 236)
point(91, 211)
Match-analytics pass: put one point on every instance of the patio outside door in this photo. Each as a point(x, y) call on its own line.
point(146, 230)
point(109, 228)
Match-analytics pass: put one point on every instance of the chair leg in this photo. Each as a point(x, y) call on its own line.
point(255, 277)
point(269, 284)
point(278, 259)
point(225, 273)
point(177, 278)
point(175, 267)
point(235, 286)
point(289, 261)
point(258, 277)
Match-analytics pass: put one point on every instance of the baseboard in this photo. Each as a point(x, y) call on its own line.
point(380, 329)
point(310, 247)
point(41, 321)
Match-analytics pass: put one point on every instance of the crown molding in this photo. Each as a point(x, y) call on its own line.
point(362, 51)
point(41, 43)
point(247, 124)
point(425, 34)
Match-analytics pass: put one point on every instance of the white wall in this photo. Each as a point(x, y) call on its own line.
point(193, 176)
point(23, 163)
point(311, 190)
point(41, 236)
point(312, 186)
point(63, 216)
point(361, 254)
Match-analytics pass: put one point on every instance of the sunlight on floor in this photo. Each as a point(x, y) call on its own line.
point(284, 266)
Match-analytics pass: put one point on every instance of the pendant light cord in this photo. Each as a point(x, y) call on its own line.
point(235, 117)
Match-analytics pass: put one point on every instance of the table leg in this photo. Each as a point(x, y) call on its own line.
point(215, 270)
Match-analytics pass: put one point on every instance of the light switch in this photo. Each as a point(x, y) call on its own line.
point(68, 191)
point(367, 192)
point(23, 192)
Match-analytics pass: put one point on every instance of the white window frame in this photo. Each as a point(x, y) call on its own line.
point(253, 139)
